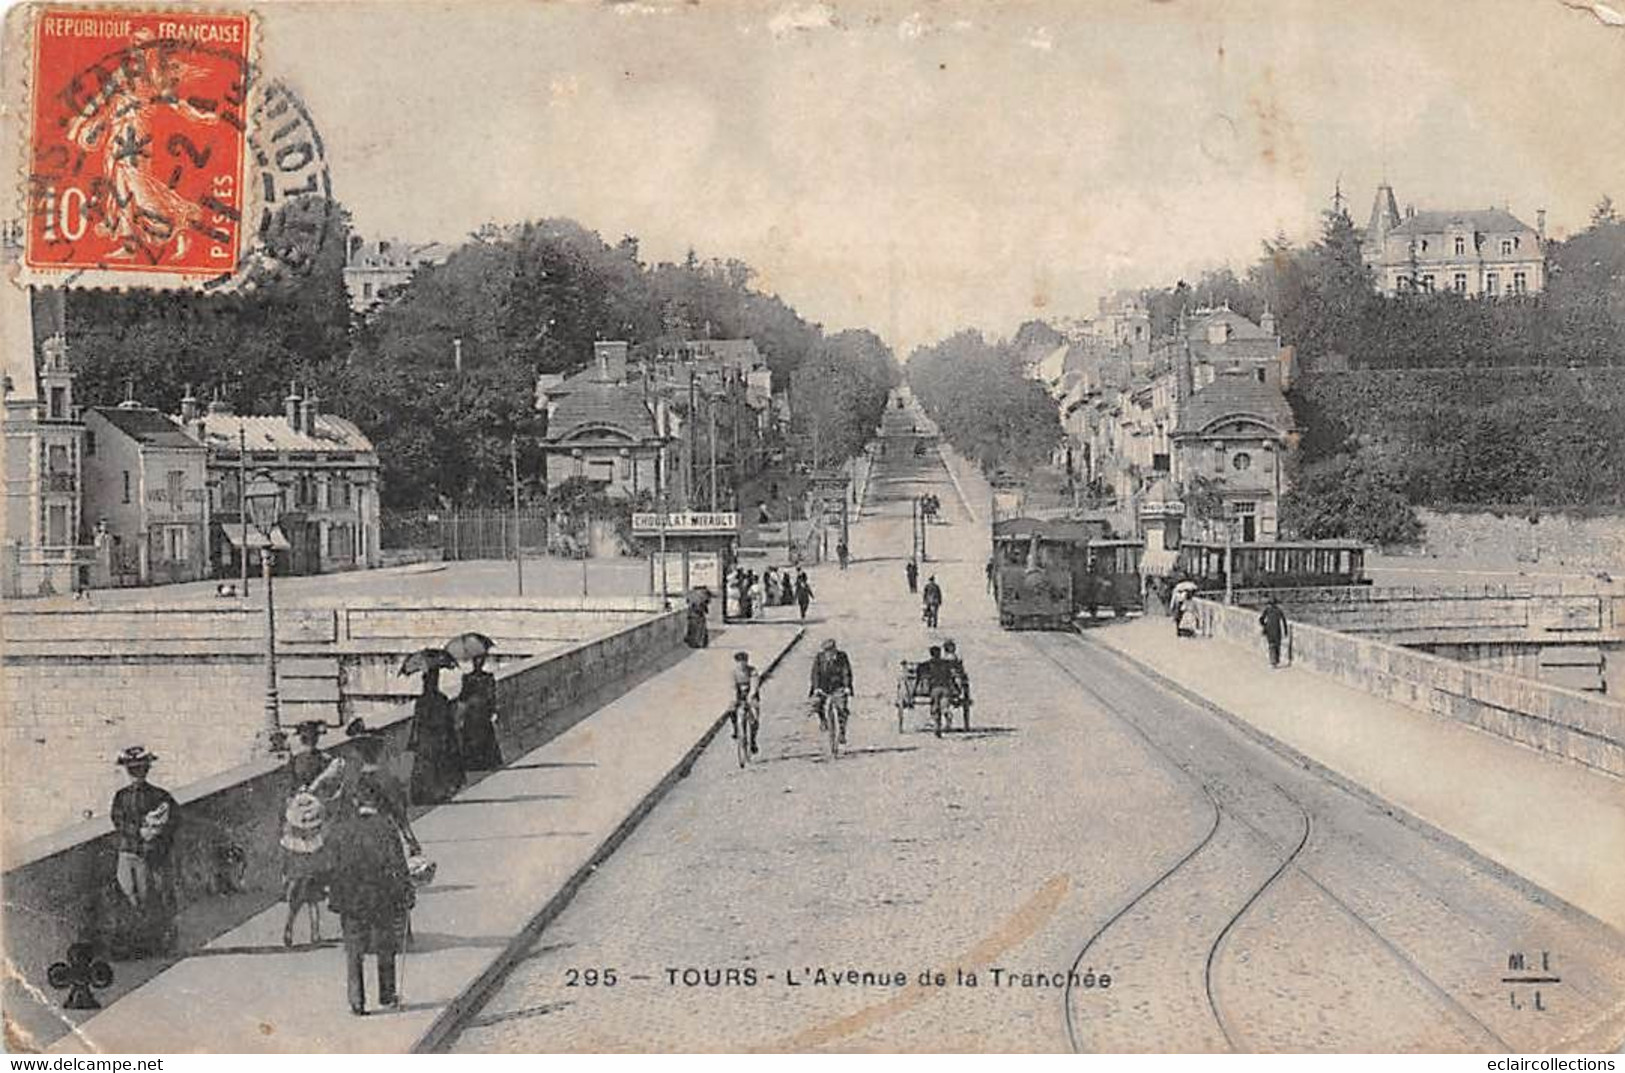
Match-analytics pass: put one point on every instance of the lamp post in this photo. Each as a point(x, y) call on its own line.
point(262, 501)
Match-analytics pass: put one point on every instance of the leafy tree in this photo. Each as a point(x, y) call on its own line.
point(1348, 497)
point(986, 408)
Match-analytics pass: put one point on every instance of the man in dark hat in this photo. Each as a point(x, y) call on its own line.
point(1273, 622)
point(144, 817)
point(372, 894)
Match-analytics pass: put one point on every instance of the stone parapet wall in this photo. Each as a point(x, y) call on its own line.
point(59, 883)
point(1579, 726)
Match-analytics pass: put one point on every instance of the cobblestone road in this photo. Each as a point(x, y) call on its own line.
point(1015, 853)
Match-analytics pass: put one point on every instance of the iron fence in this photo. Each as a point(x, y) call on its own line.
point(467, 534)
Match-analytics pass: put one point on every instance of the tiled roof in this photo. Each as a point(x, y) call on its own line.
point(1235, 394)
point(332, 433)
point(1434, 222)
point(1240, 326)
point(594, 403)
point(146, 425)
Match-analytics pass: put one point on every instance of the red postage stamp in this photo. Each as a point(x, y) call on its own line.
point(137, 149)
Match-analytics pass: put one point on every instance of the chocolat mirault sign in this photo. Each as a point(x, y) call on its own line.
point(688, 521)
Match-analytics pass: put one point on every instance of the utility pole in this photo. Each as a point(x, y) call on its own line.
point(242, 501)
point(518, 545)
point(691, 471)
point(711, 413)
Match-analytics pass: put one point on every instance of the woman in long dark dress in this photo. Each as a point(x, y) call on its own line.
point(437, 755)
point(313, 787)
point(477, 704)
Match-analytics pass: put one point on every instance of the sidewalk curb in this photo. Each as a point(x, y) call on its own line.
point(447, 1022)
point(954, 477)
point(1348, 785)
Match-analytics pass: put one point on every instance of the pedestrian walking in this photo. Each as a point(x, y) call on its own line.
point(804, 593)
point(314, 786)
point(477, 713)
point(372, 893)
point(989, 571)
point(912, 572)
point(437, 754)
point(932, 599)
point(1273, 622)
point(144, 818)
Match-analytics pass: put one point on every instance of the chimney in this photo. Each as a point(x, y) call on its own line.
point(1267, 321)
point(189, 406)
point(1540, 224)
point(1184, 387)
point(611, 359)
point(309, 411)
point(218, 405)
point(290, 407)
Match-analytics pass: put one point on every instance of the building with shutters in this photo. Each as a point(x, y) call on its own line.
point(146, 497)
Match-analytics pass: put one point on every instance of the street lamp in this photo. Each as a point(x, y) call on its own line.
point(262, 501)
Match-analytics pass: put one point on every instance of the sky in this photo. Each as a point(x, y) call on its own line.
point(916, 168)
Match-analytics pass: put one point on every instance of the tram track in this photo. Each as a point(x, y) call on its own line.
point(1287, 859)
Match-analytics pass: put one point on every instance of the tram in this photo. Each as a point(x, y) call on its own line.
point(1280, 564)
point(1047, 571)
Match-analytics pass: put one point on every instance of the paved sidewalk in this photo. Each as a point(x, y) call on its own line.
point(1556, 823)
point(510, 850)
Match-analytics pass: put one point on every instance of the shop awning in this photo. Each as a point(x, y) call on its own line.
point(256, 539)
point(1158, 562)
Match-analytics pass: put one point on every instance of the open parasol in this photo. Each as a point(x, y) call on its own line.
point(427, 658)
point(469, 645)
point(1185, 588)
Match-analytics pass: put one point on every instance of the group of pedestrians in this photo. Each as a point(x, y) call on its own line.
point(346, 836)
point(750, 592)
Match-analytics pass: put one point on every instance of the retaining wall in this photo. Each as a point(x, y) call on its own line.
point(1579, 726)
point(55, 887)
point(189, 683)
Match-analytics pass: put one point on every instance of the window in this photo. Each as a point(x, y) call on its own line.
point(1424, 245)
point(1458, 283)
point(90, 444)
point(366, 290)
point(1218, 458)
point(601, 470)
point(126, 486)
point(1506, 246)
point(626, 467)
point(59, 403)
point(56, 526)
point(1492, 284)
point(1259, 372)
point(175, 543)
point(1427, 282)
point(1159, 463)
point(340, 492)
point(1242, 461)
point(56, 459)
point(1461, 245)
point(1520, 282)
point(175, 487)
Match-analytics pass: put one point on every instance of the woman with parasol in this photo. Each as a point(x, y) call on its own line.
point(477, 703)
point(437, 755)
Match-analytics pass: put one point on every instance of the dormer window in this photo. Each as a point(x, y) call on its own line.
point(1507, 246)
point(1461, 245)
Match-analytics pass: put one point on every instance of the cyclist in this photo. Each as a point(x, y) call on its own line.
point(832, 677)
point(950, 656)
point(939, 677)
point(747, 697)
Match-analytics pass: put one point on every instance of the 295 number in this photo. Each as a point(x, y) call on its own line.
point(589, 978)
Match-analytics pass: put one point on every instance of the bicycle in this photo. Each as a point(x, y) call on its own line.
point(745, 729)
point(831, 706)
